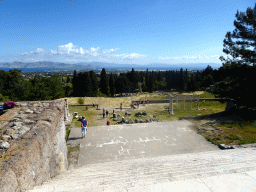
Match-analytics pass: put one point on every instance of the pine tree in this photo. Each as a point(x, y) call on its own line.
point(241, 43)
point(239, 70)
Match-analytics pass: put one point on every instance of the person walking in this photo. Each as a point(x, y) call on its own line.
point(84, 124)
point(104, 112)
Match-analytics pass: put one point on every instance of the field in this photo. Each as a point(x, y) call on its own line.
point(211, 120)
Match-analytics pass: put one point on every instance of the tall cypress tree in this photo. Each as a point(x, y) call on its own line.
point(111, 85)
point(75, 84)
point(104, 87)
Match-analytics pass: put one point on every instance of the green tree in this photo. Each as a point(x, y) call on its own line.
point(239, 68)
point(112, 85)
point(104, 87)
point(241, 43)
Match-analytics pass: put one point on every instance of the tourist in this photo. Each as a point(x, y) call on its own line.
point(107, 113)
point(84, 124)
point(108, 122)
point(103, 112)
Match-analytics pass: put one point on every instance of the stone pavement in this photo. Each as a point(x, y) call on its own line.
point(165, 156)
point(130, 141)
point(230, 170)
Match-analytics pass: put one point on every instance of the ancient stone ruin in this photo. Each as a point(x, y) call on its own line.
point(32, 142)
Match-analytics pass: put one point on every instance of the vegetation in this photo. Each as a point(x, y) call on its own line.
point(80, 100)
point(238, 71)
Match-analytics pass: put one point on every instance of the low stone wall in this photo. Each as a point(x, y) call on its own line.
point(150, 101)
point(38, 149)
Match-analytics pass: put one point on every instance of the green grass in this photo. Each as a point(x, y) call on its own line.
point(72, 149)
point(67, 132)
point(206, 95)
point(241, 132)
point(91, 115)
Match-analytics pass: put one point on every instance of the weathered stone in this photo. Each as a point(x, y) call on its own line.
point(5, 145)
point(42, 150)
point(144, 113)
point(223, 146)
point(138, 114)
point(130, 121)
point(136, 120)
point(6, 137)
point(29, 111)
point(128, 113)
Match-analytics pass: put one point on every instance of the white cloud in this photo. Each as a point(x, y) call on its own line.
point(109, 51)
point(69, 53)
point(72, 54)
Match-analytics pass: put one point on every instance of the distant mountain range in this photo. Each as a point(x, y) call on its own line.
point(97, 65)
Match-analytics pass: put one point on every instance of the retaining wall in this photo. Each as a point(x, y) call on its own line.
point(39, 151)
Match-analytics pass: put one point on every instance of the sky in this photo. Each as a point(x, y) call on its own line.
point(116, 31)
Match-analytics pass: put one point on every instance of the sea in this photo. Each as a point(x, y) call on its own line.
point(33, 69)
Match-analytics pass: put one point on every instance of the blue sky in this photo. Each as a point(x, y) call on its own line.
point(116, 31)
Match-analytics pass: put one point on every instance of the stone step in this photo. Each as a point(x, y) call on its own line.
point(134, 173)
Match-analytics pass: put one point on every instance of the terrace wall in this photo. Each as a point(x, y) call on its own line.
point(37, 153)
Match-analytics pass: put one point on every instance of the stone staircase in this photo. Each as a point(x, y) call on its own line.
point(160, 173)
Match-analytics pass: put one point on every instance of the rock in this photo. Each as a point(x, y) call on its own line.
point(144, 113)
point(17, 124)
point(138, 114)
point(130, 121)
point(154, 116)
point(147, 120)
point(5, 145)
point(223, 146)
point(29, 122)
point(136, 120)
point(6, 137)
point(29, 111)
point(128, 113)
point(115, 119)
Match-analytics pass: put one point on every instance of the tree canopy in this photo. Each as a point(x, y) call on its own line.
point(238, 70)
point(241, 43)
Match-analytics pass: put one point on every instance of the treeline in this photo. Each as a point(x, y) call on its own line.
point(89, 84)
point(15, 87)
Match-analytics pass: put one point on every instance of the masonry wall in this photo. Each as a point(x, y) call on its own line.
point(39, 151)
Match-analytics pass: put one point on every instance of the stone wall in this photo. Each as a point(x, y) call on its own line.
point(38, 149)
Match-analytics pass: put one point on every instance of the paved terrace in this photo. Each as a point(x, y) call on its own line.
point(165, 156)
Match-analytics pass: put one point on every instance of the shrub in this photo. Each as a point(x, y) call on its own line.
point(4, 98)
point(9, 104)
point(80, 100)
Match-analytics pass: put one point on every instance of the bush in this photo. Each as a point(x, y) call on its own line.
point(80, 100)
point(4, 98)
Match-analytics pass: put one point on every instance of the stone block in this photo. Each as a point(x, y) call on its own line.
point(5, 145)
